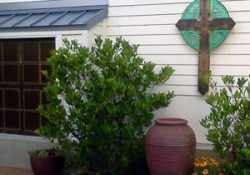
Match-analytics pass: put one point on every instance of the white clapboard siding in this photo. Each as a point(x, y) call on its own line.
point(154, 9)
point(233, 49)
point(216, 70)
point(142, 30)
point(182, 80)
point(230, 70)
point(241, 28)
point(184, 49)
point(230, 60)
point(148, 2)
point(155, 39)
point(184, 90)
point(176, 39)
point(161, 30)
point(145, 2)
point(95, 31)
point(181, 69)
point(172, 59)
point(240, 16)
point(171, 8)
point(176, 80)
point(143, 20)
point(164, 19)
point(180, 90)
point(237, 5)
point(171, 49)
point(151, 25)
point(238, 38)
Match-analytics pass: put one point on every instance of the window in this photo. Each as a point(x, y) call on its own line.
point(22, 83)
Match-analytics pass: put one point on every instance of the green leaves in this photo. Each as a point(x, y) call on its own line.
point(228, 121)
point(99, 103)
point(165, 74)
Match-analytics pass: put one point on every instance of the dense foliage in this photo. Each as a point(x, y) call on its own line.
point(99, 103)
point(228, 123)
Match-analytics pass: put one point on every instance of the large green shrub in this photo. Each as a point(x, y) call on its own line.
point(99, 103)
point(228, 123)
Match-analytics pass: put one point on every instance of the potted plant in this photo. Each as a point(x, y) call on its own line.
point(100, 101)
point(228, 123)
point(46, 161)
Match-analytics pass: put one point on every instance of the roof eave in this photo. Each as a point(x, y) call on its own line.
point(16, 6)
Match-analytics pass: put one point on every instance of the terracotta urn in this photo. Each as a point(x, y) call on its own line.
point(170, 147)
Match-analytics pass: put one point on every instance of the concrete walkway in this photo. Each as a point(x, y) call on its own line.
point(14, 171)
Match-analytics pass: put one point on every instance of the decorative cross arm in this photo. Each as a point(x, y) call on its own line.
point(188, 24)
point(222, 24)
point(215, 24)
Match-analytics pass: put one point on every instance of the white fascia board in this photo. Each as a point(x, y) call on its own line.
point(58, 35)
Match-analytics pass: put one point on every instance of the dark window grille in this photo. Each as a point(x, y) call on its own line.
point(22, 83)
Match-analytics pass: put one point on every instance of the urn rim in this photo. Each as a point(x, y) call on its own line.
point(171, 121)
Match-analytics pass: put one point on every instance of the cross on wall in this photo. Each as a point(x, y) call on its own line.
point(204, 26)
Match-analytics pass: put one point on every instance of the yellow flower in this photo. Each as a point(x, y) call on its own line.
point(212, 159)
point(216, 164)
point(205, 171)
point(204, 163)
point(196, 163)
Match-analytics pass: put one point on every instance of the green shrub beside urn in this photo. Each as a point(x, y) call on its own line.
point(99, 102)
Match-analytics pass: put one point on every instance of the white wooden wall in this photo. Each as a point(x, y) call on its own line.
point(98, 30)
point(151, 24)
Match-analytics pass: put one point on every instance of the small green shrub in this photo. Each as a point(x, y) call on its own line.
point(39, 153)
point(99, 103)
point(45, 152)
point(228, 123)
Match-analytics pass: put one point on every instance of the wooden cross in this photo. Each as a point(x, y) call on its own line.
point(205, 25)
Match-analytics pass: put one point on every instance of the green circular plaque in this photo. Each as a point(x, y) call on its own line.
point(217, 37)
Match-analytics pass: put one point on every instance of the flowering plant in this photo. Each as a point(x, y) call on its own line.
point(206, 166)
point(228, 123)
